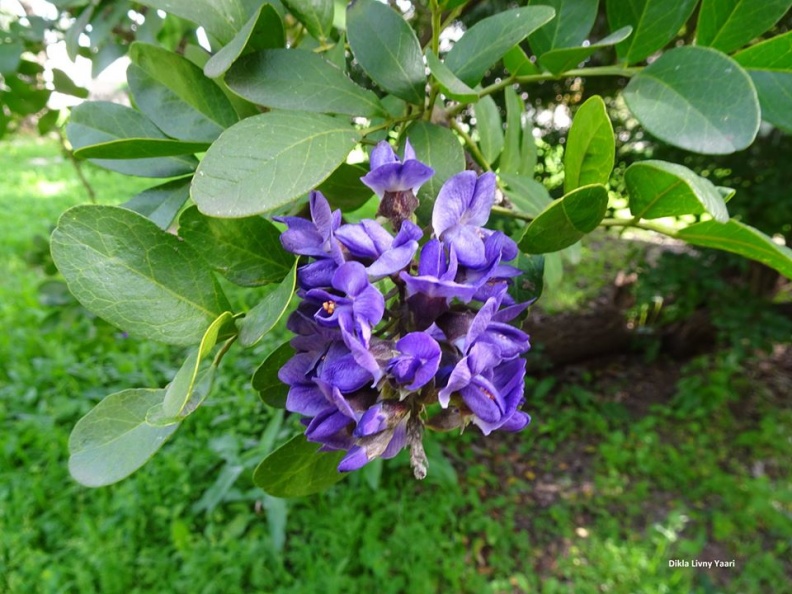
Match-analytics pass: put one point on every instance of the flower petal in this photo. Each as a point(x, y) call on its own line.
point(452, 201)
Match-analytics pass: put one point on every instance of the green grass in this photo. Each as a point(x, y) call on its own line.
point(593, 497)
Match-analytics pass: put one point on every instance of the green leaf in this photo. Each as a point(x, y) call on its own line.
point(510, 161)
point(571, 25)
point(267, 161)
point(298, 468)
point(439, 148)
point(180, 390)
point(659, 189)
point(316, 15)
point(488, 40)
point(769, 65)
point(264, 30)
point(560, 60)
point(246, 251)
point(174, 93)
point(528, 152)
point(566, 220)
point(590, 148)
point(449, 83)
point(64, 84)
point(654, 23)
point(528, 195)
point(490, 128)
point(727, 25)
point(221, 18)
point(518, 64)
point(272, 391)
point(741, 239)
point(529, 285)
point(343, 188)
point(103, 123)
point(263, 317)
point(125, 269)
point(72, 37)
point(140, 148)
point(162, 203)
point(299, 80)
point(10, 53)
point(113, 440)
point(386, 47)
point(697, 99)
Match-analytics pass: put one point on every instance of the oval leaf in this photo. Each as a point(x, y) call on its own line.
point(221, 18)
point(530, 284)
point(267, 161)
point(265, 381)
point(566, 220)
point(176, 94)
point(181, 389)
point(316, 15)
point(386, 47)
point(162, 203)
point(490, 128)
point(439, 148)
point(264, 30)
point(449, 83)
point(113, 440)
point(572, 24)
point(102, 123)
point(488, 40)
point(563, 59)
point(590, 148)
point(654, 23)
point(511, 159)
point(518, 63)
point(729, 24)
point(673, 101)
point(740, 239)
point(140, 148)
point(769, 65)
point(528, 195)
point(299, 80)
point(298, 468)
point(263, 317)
point(246, 251)
point(125, 269)
point(659, 189)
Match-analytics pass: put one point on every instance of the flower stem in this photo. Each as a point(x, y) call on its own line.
point(636, 222)
point(508, 212)
point(472, 147)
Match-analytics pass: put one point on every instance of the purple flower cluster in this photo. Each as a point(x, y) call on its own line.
point(385, 345)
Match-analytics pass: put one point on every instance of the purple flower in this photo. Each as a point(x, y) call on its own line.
point(315, 237)
point(509, 342)
point(461, 209)
point(359, 308)
point(417, 361)
point(390, 174)
point(368, 241)
point(436, 275)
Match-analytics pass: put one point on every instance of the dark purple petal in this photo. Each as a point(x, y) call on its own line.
point(324, 425)
point(418, 360)
point(306, 399)
point(408, 232)
point(345, 374)
point(452, 201)
point(460, 378)
point(483, 400)
point(301, 237)
point(369, 306)
point(316, 274)
point(351, 278)
point(517, 422)
point(374, 420)
point(355, 459)
point(296, 370)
